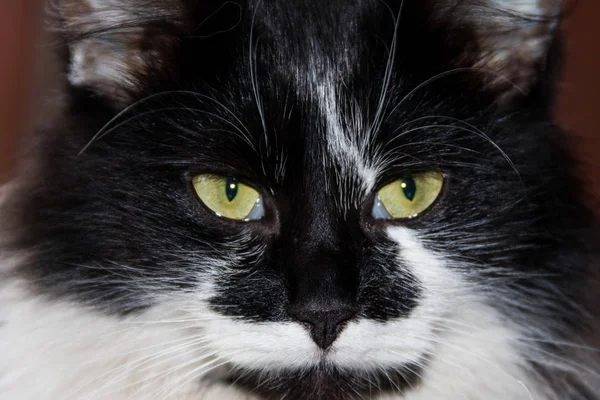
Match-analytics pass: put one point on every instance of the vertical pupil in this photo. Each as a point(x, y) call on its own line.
point(409, 187)
point(231, 188)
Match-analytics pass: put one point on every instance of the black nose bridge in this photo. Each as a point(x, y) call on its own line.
point(324, 278)
point(320, 260)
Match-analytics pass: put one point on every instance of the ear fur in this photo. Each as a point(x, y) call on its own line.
point(507, 40)
point(117, 45)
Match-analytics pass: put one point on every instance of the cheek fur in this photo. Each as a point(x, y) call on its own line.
point(81, 353)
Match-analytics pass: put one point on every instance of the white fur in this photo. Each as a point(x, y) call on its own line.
point(521, 43)
point(96, 15)
point(475, 352)
point(96, 62)
point(59, 350)
point(527, 7)
point(56, 350)
point(110, 61)
point(346, 141)
point(261, 346)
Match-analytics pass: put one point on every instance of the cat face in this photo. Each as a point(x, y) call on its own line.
point(332, 195)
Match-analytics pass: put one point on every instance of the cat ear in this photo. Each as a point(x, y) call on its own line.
point(506, 40)
point(116, 46)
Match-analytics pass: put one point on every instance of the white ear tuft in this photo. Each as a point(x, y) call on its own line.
point(116, 44)
point(511, 37)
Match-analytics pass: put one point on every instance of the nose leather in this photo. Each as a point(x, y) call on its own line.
point(325, 325)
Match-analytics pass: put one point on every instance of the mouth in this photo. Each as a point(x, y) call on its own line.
point(327, 382)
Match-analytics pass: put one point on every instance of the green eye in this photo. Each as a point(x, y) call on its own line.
point(409, 196)
point(229, 198)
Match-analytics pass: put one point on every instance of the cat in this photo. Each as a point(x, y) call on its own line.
point(300, 199)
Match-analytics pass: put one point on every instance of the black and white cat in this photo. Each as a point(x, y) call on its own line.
point(308, 199)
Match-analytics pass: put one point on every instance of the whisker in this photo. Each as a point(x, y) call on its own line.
point(474, 131)
point(107, 129)
point(387, 77)
point(255, 88)
point(133, 365)
point(197, 372)
point(116, 117)
point(453, 72)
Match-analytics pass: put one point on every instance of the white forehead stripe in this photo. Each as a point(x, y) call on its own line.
point(346, 135)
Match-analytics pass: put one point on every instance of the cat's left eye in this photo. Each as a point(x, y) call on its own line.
point(408, 197)
point(229, 198)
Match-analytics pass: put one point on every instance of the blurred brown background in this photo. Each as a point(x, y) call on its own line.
point(579, 110)
point(17, 33)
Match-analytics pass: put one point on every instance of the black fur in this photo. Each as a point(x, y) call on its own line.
point(119, 224)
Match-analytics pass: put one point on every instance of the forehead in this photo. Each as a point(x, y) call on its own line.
point(310, 81)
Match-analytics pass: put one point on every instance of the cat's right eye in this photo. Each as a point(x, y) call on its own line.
point(229, 198)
